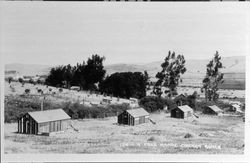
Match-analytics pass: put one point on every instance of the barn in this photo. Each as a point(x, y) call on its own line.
point(133, 117)
point(213, 110)
point(182, 112)
point(180, 100)
point(43, 122)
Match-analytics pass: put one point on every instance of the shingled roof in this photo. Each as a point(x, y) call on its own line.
point(138, 112)
point(49, 115)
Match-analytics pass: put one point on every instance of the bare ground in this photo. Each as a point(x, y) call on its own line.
point(205, 135)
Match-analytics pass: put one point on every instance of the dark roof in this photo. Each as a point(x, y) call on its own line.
point(137, 112)
point(49, 115)
point(181, 96)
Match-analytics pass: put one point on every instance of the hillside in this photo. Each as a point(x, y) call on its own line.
point(234, 69)
point(194, 67)
point(27, 69)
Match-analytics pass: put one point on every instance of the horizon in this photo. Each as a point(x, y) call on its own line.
point(117, 63)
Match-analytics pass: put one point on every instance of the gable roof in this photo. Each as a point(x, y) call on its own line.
point(215, 108)
point(180, 96)
point(49, 115)
point(236, 106)
point(185, 108)
point(137, 112)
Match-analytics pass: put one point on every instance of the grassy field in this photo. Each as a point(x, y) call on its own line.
point(205, 135)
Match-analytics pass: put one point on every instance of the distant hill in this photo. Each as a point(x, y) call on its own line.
point(27, 69)
point(195, 68)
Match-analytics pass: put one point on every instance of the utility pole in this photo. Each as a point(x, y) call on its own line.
point(42, 103)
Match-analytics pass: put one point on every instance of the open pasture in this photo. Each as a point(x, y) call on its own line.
point(203, 135)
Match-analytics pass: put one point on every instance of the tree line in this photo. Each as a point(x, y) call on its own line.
point(92, 76)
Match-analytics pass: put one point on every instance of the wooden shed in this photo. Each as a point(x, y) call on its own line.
point(134, 100)
point(106, 101)
point(133, 117)
point(182, 112)
point(236, 108)
point(180, 100)
point(213, 110)
point(43, 122)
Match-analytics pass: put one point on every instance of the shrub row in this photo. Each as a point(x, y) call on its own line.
point(76, 110)
point(15, 108)
point(153, 103)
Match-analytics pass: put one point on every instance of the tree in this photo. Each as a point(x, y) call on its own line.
point(68, 73)
point(55, 77)
point(213, 78)
point(94, 72)
point(10, 79)
point(20, 80)
point(125, 85)
point(78, 78)
point(146, 80)
point(169, 77)
point(27, 91)
point(191, 99)
point(87, 76)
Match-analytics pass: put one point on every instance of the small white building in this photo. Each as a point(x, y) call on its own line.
point(236, 108)
point(75, 88)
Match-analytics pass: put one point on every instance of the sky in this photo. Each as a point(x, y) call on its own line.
point(67, 33)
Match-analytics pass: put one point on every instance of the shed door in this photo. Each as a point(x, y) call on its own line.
point(27, 127)
point(125, 119)
point(178, 114)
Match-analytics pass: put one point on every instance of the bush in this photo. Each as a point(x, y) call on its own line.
point(188, 135)
point(200, 105)
point(151, 138)
point(31, 81)
point(27, 91)
point(20, 80)
point(16, 106)
point(76, 110)
point(191, 100)
point(153, 103)
point(125, 85)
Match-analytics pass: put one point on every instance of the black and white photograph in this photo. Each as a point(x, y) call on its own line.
point(163, 79)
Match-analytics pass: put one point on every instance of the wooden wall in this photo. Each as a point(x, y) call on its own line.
point(53, 126)
point(27, 125)
point(127, 119)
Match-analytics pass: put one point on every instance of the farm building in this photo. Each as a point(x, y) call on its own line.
point(41, 122)
point(134, 100)
point(182, 112)
point(180, 100)
point(106, 101)
point(95, 103)
point(214, 110)
point(165, 109)
point(75, 88)
point(133, 117)
point(236, 108)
